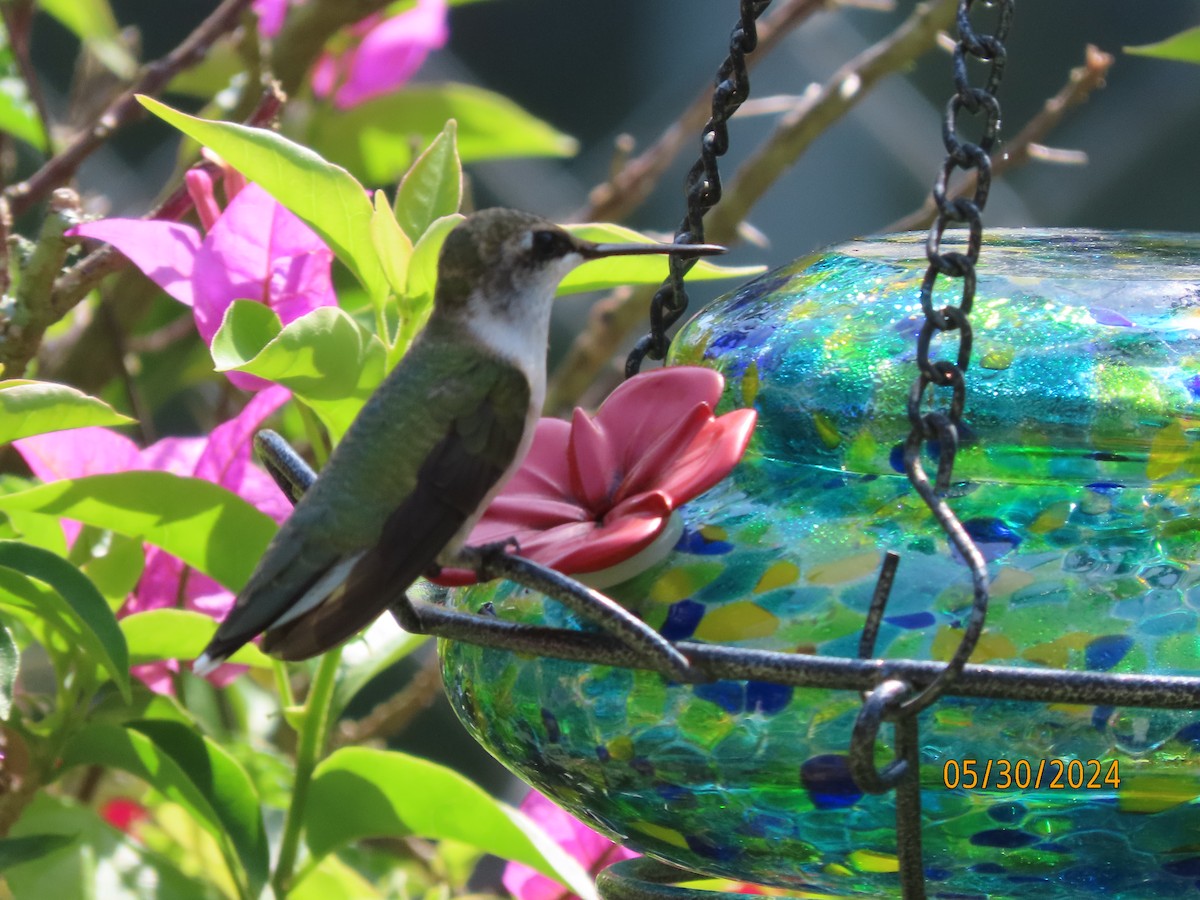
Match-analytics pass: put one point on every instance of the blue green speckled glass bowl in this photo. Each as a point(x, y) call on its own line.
point(1078, 482)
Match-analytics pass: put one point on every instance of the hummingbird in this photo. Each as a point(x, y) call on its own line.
point(428, 451)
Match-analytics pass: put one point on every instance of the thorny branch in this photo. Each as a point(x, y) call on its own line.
point(614, 199)
point(821, 108)
point(614, 317)
point(125, 109)
point(818, 110)
point(73, 285)
point(1081, 82)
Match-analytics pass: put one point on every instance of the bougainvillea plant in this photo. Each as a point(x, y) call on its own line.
point(275, 287)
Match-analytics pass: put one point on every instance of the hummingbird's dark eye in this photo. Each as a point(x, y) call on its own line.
point(549, 244)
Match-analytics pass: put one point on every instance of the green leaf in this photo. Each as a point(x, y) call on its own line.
point(18, 115)
point(97, 859)
point(325, 357)
point(93, 22)
point(224, 784)
point(393, 794)
point(1182, 47)
point(38, 407)
point(144, 704)
point(324, 195)
point(374, 138)
point(416, 302)
point(610, 272)
point(433, 187)
point(159, 634)
point(84, 606)
point(190, 770)
point(114, 565)
point(208, 527)
point(391, 244)
point(333, 878)
point(214, 72)
point(9, 666)
point(17, 850)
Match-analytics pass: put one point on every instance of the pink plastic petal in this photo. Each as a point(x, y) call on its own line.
point(655, 462)
point(653, 504)
point(591, 849)
point(164, 251)
point(529, 511)
point(594, 475)
point(710, 457)
point(545, 470)
point(259, 251)
point(391, 52)
point(589, 547)
point(638, 409)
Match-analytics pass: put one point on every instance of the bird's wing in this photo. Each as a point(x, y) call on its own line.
point(451, 486)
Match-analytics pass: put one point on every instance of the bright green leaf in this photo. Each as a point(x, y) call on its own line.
point(17, 850)
point(18, 115)
point(159, 634)
point(324, 195)
point(215, 71)
point(143, 704)
point(216, 775)
point(433, 187)
point(208, 527)
point(31, 528)
point(1182, 47)
point(325, 357)
point(374, 138)
point(332, 878)
point(391, 244)
point(224, 784)
point(246, 328)
point(102, 638)
point(393, 794)
point(93, 22)
point(114, 565)
point(610, 272)
point(38, 407)
point(416, 302)
point(9, 665)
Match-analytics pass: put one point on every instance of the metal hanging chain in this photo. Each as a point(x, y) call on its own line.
point(892, 699)
point(945, 427)
point(702, 186)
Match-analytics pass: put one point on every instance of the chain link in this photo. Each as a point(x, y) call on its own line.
point(702, 186)
point(944, 427)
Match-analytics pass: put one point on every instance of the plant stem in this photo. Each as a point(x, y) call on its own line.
point(283, 684)
point(314, 732)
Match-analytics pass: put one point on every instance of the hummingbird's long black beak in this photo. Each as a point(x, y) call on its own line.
point(590, 250)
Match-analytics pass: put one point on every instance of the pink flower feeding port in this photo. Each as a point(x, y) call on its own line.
point(596, 491)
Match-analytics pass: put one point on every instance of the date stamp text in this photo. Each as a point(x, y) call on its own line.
point(1031, 774)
